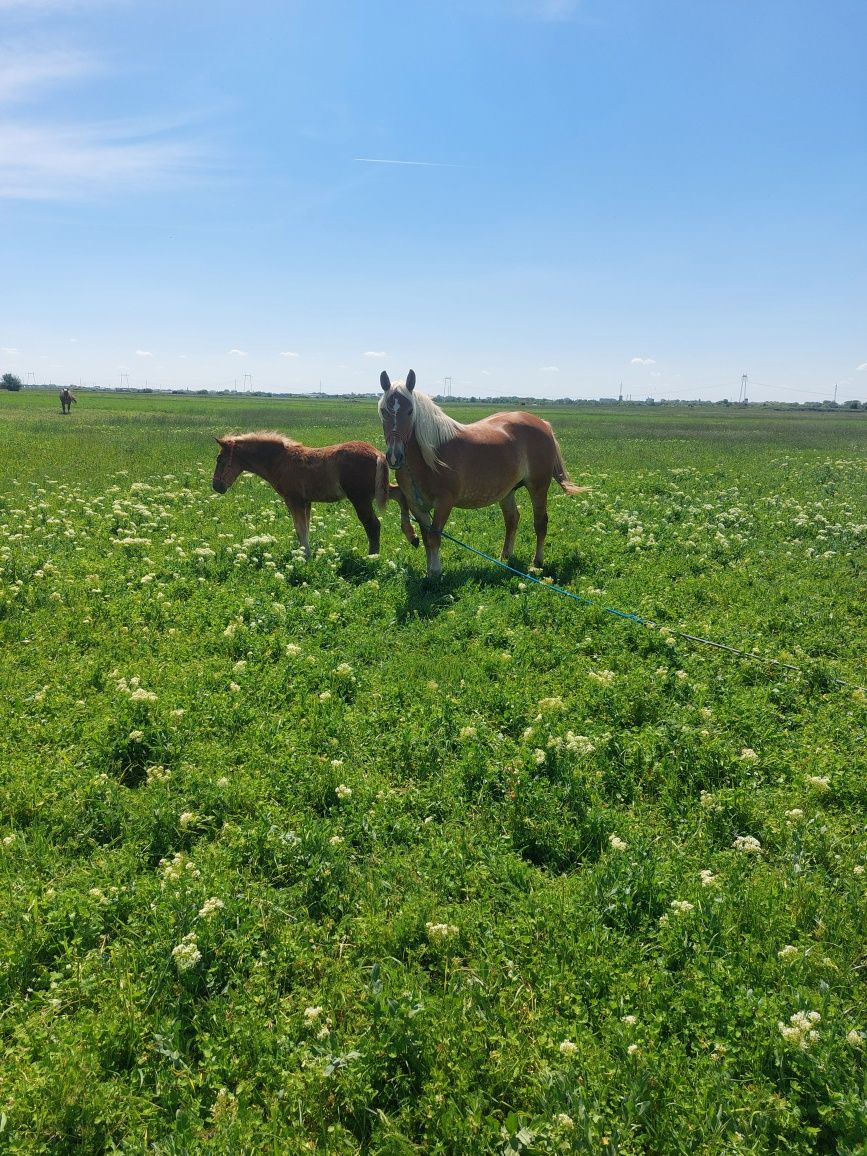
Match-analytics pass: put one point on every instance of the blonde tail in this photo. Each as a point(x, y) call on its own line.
point(560, 475)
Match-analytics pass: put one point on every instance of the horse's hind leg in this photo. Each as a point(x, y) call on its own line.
point(364, 508)
point(511, 516)
point(539, 498)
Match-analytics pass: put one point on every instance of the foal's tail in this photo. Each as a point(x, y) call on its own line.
point(559, 472)
point(380, 491)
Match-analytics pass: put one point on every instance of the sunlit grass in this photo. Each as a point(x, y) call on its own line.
point(325, 855)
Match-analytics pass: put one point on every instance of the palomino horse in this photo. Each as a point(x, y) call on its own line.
point(441, 464)
point(353, 470)
point(67, 400)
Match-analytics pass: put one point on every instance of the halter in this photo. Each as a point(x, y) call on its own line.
point(393, 410)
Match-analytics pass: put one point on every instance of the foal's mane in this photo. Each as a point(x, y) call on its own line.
point(433, 426)
point(265, 441)
point(266, 437)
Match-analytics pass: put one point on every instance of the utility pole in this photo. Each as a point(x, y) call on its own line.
point(743, 392)
point(247, 383)
point(124, 381)
point(447, 386)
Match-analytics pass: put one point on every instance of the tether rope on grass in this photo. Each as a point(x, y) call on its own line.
point(629, 616)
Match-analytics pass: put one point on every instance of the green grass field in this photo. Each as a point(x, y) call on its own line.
point(326, 857)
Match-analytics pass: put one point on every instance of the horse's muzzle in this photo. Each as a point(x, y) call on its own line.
point(219, 486)
point(394, 455)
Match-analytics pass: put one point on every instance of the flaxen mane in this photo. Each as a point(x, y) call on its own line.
point(431, 425)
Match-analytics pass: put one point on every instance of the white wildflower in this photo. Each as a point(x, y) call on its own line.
point(567, 1048)
point(819, 783)
point(800, 1031)
point(440, 931)
point(617, 844)
point(186, 955)
point(342, 791)
point(142, 695)
point(579, 744)
point(210, 906)
point(748, 844)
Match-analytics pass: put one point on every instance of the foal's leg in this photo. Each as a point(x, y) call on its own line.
point(364, 508)
point(300, 512)
point(511, 515)
point(539, 498)
point(396, 494)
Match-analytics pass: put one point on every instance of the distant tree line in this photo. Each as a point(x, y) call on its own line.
point(11, 382)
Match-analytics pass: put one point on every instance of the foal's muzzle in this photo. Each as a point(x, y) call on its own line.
point(219, 486)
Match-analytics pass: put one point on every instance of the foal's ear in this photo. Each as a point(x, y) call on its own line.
point(410, 380)
point(220, 441)
point(384, 382)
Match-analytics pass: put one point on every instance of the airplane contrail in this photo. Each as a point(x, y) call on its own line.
point(422, 164)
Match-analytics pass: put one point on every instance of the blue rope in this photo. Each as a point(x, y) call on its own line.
point(627, 615)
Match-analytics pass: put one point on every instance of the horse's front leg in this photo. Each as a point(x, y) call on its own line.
point(300, 512)
point(433, 538)
point(511, 515)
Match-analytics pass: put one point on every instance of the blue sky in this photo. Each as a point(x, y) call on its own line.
point(544, 197)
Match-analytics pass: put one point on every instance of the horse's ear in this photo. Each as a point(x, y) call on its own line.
point(384, 382)
point(220, 441)
point(410, 380)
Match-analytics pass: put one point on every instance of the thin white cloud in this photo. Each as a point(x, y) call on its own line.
point(8, 350)
point(50, 162)
point(642, 361)
point(860, 368)
point(549, 369)
point(375, 353)
point(143, 353)
point(237, 352)
point(289, 353)
point(28, 68)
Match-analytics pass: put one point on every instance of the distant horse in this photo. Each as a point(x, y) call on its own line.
point(441, 464)
point(67, 400)
point(353, 470)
